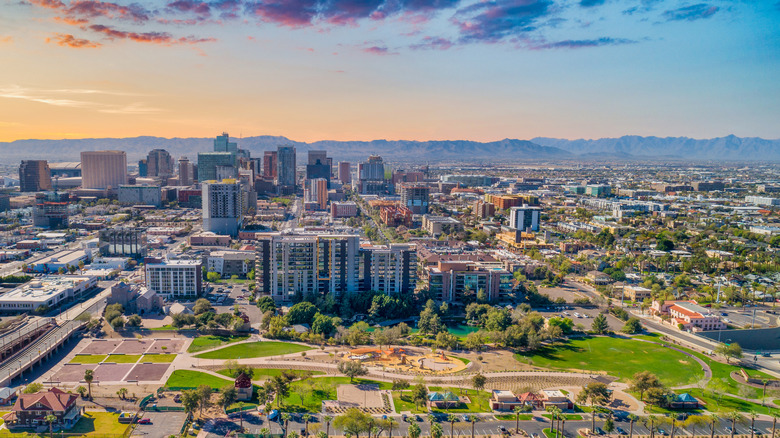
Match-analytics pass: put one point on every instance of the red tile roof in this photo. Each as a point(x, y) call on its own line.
point(54, 399)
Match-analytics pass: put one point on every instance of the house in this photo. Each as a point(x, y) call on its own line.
point(7, 395)
point(636, 293)
point(243, 387)
point(445, 399)
point(31, 410)
point(599, 278)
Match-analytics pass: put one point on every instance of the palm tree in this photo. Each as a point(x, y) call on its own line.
point(452, 419)
point(122, 393)
point(413, 431)
point(286, 418)
point(555, 415)
point(774, 423)
point(752, 416)
point(88, 376)
point(651, 422)
point(631, 419)
point(293, 434)
point(322, 434)
point(51, 419)
point(734, 417)
point(327, 419)
point(306, 419)
point(713, 419)
point(264, 431)
point(518, 410)
point(390, 424)
point(672, 419)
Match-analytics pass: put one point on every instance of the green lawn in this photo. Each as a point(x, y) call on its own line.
point(123, 358)
point(618, 357)
point(88, 358)
point(513, 417)
point(307, 395)
point(208, 342)
point(462, 359)
point(254, 349)
point(191, 379)
point(270, 372)
point(724, 403)
point(158, 358)
point(568, 417)
point(403, 403)
point(480, 400)
point(90, 424)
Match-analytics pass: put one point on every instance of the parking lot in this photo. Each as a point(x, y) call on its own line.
point(224, 296)
point(163, 424)
point(580, 315)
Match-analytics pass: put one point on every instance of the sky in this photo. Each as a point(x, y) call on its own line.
point(312, 70)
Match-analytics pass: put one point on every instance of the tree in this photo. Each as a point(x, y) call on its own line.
point(134, 321)
point(202, 305)
point(631, 420)
point(32, 388)
point(609, 425)
point(595, 393)
point(452, 419)
point(306, 419)
point(51, 419)
point(436, 430)
point(82, 391)
point(517, 410)
point(446, 340)
point(301, 313)
point(227, 396)
point(474, 341)
point(414, 431)
point(730, 351)
point(643, 381)
point(281, 387)
point(735, 417)
point(266, 304)
point(632, 326)
point(286, 419)
point(352, 369)
point(600, 325)
point(327, 419)
point(122, 393)
point(399, 384)
point(429, 322)
point(419, 395)
point(88, 377)
point(323, 324)
point(204, 397)
point(213, 277)
point(354, 422)
point(478, 381)
point(190, 400)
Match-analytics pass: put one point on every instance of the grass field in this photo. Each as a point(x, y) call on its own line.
point(88, 358)
point(270, 372)
point(568, 417)
point(403, 403)
point(192, 379)
point(254, 349)
point(91, 424)
point(123, 358)
point(158, 358)
point(480, 400)
point(601, 354)
point(208, 342)
point(307, 395)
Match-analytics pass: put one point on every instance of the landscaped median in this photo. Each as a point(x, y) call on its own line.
point(254, 349)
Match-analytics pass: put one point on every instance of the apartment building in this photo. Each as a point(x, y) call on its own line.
point(174, 278)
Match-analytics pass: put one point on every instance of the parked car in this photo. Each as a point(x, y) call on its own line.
point(145, 421)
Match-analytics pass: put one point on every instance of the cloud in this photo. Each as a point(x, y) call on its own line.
point(163, 38)
point(591, 3)
point(292, 13)
point(54, 98)
point(432, 43)
point(84, 9)
point(691, 13)
point(380, 50)
point(63, 39)
point(493, 20)
point(579, 44)
point(6, 39)
point(201, 9)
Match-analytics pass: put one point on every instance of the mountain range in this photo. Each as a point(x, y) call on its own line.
point(730, 148)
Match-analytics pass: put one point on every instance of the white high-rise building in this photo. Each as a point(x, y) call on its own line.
point(524, 218)
point(223, 206)
point(173, 278)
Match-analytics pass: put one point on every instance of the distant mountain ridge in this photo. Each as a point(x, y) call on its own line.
point(507, 150)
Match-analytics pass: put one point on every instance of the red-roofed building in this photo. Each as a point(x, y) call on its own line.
point(688, 314)
point(31, 410)
point(243, 387)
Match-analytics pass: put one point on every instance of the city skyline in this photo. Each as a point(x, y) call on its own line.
point(422, 70)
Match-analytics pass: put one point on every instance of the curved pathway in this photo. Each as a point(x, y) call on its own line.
point(707, 370)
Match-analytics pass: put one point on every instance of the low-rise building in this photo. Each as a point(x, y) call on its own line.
point(59, 260)
point(436, 225)
point(31, 410)
point(636, 293)
point(139, 195)
point(207, 238)
point(49, 291)
point(343, 209)
point(688, 315)
point(228, 263)
point(450, 281)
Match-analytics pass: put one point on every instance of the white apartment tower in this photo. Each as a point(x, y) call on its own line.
point(222, 206)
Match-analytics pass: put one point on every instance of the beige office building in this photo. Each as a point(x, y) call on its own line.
point(103, 169)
